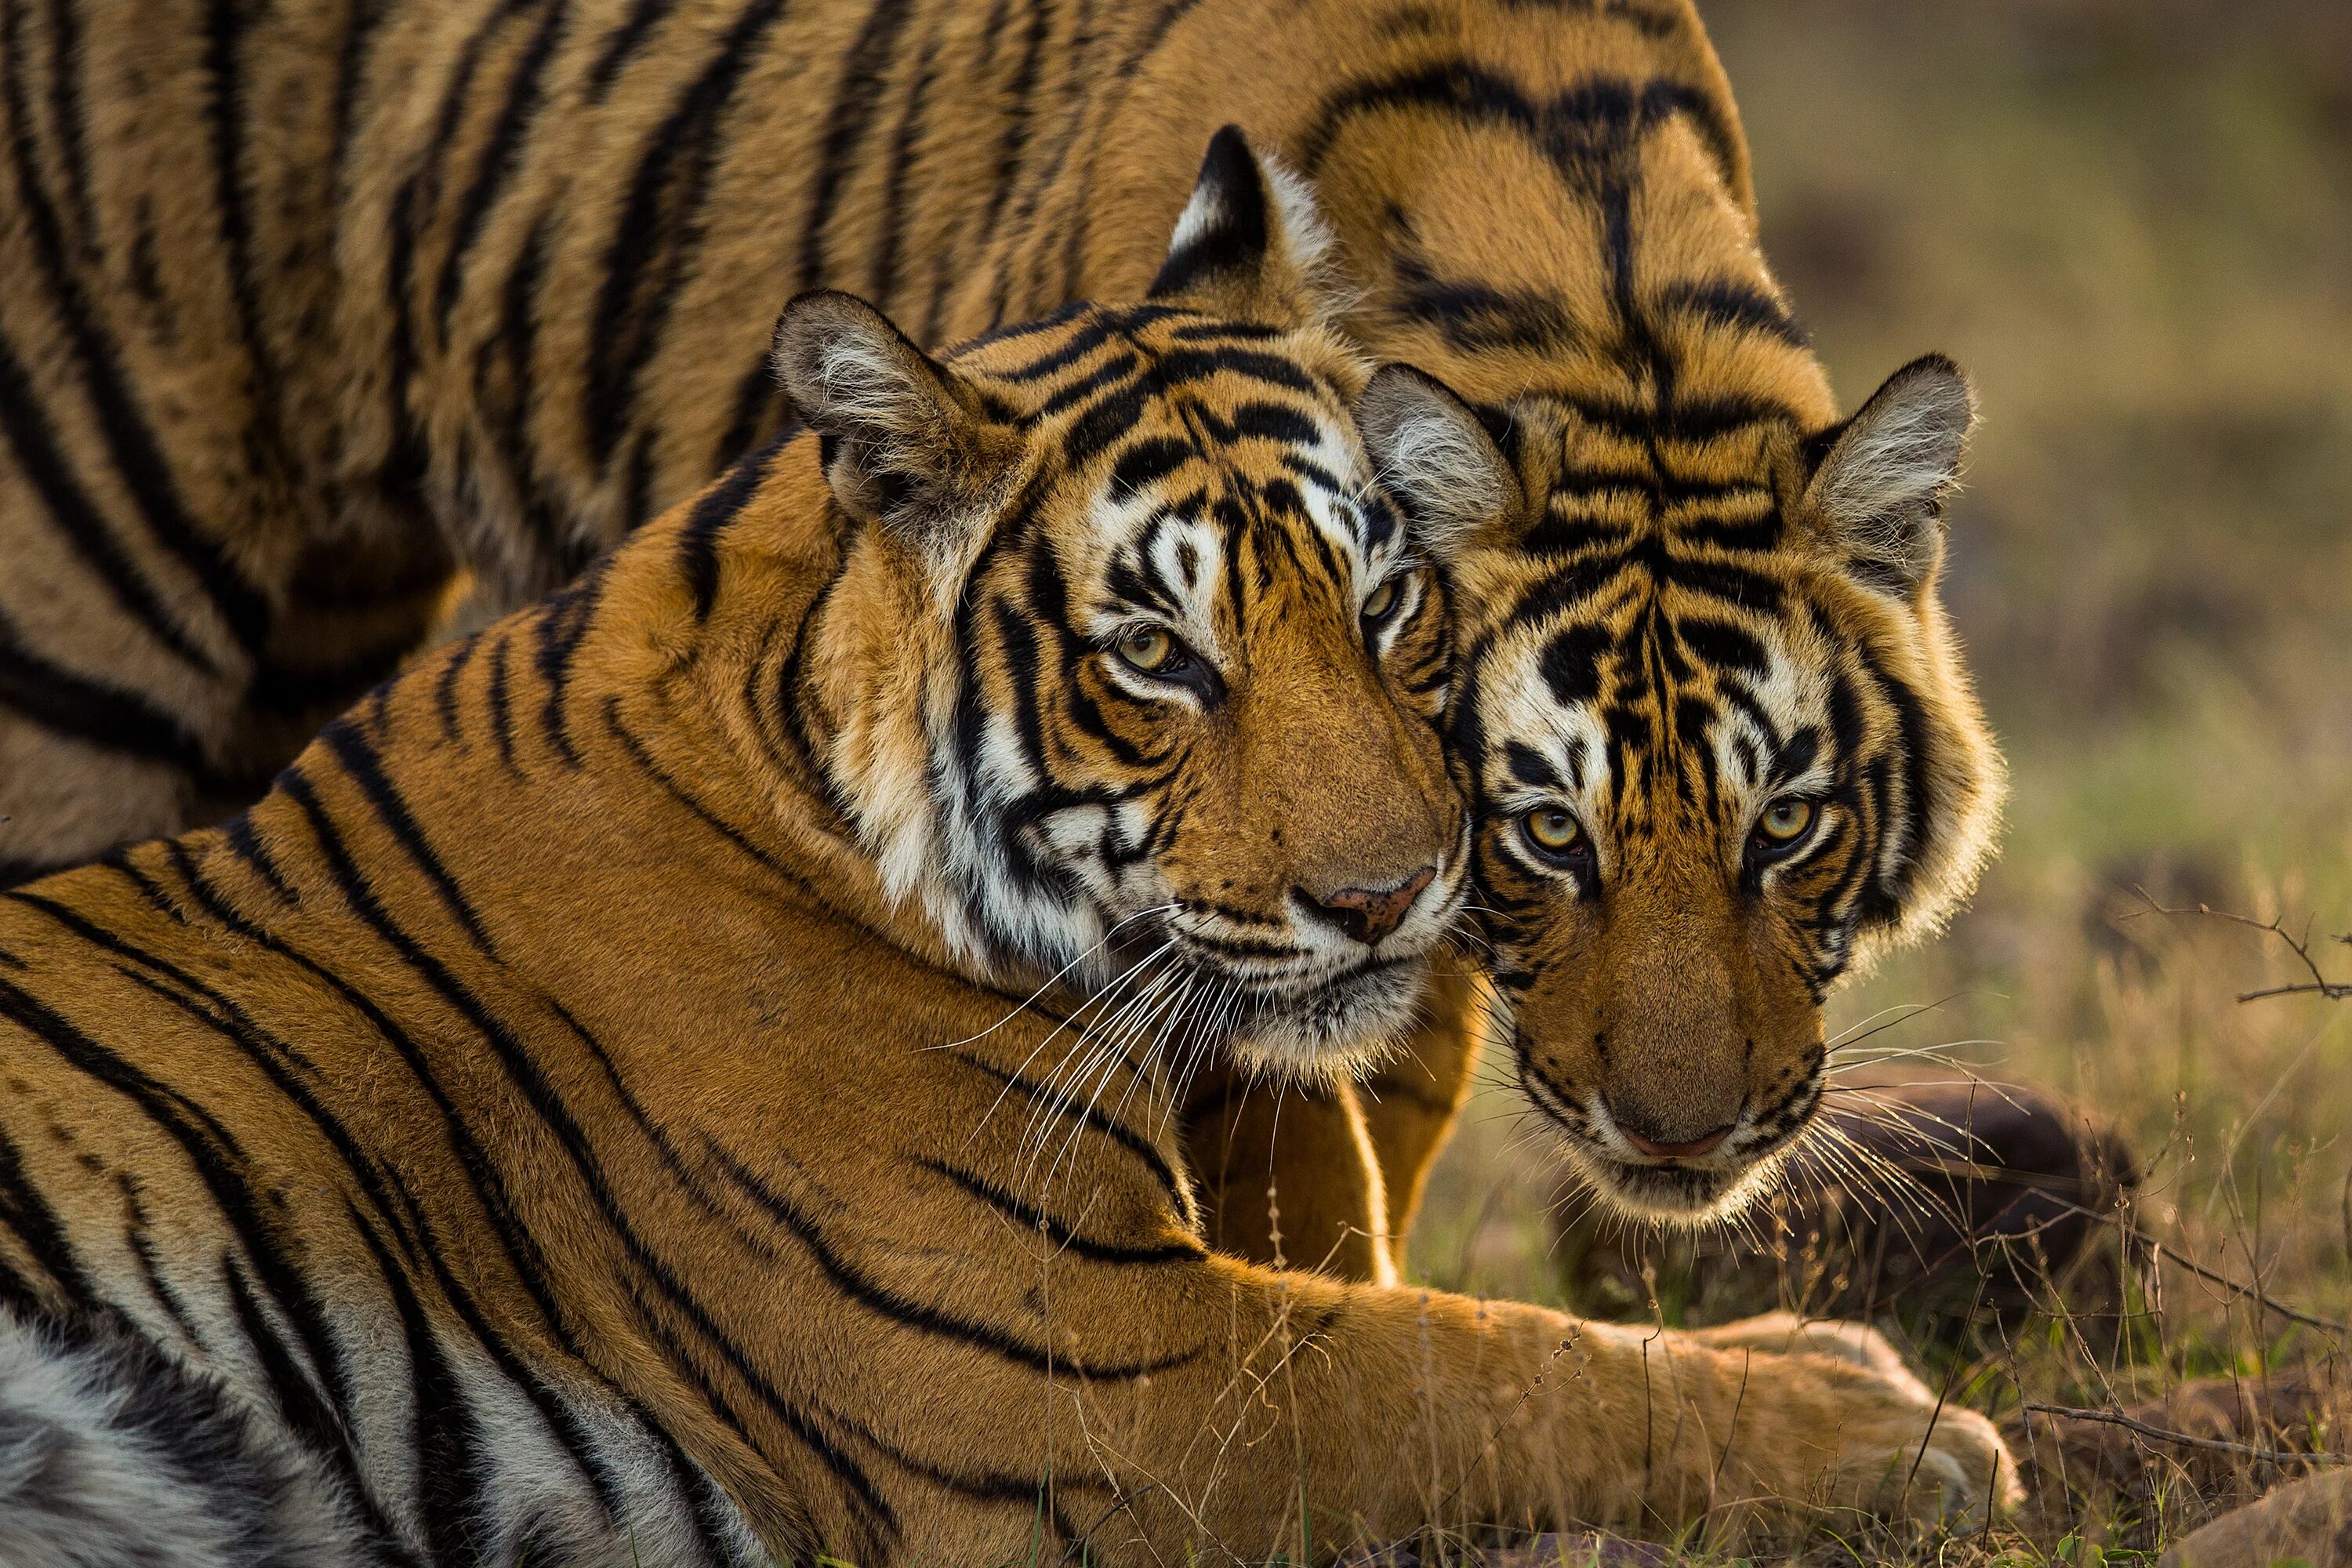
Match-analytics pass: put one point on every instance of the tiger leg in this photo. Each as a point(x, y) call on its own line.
point(1329, 1178)
point(1288, 1175)
point(1418, 1406)
point(1411, 1101)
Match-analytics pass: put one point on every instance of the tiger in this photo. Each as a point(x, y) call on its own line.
point(479, 283)
point(689, 1074)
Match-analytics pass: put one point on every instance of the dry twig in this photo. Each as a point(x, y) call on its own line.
point(2186, 1439)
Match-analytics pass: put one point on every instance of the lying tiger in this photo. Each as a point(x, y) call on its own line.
point(377, 1185)
point(487, 281)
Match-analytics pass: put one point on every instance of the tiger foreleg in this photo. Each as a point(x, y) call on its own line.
point(1288, 1175)
point(1377, 1412)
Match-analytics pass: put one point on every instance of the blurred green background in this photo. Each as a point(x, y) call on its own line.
point(2131, 220)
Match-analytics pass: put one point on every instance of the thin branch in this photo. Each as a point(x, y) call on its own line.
point(2187, 1440)
point(2176, 1257)
point(2318, 985)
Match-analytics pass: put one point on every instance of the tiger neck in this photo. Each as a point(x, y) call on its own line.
point(652, 723)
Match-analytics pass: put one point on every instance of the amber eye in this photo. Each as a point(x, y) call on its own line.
point(1384, 600)
point(1149, 649)
point(1555, 832)
point(1784, 822)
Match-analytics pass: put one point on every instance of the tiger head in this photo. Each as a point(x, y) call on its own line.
point(1718, 748)
point(1148, 690)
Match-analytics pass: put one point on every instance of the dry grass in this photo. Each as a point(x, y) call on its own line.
point(2132, 220)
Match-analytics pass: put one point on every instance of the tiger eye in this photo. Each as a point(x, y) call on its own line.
point(1147, 648)
point(1785, 820)
point(1553, 829)
point(1383, 600)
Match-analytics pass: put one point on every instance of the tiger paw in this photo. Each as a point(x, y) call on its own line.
point(1899, 1455)
point(1785, 1333)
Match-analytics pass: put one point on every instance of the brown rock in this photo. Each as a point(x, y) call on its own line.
point(2309, 1520)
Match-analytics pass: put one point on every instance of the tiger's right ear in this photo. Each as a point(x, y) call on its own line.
point(1250, 244)
point(906, 444)
point(1432, 452)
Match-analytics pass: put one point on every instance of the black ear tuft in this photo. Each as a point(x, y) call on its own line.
point(1222, 230)
point(1249, 242)
point(1880, 480)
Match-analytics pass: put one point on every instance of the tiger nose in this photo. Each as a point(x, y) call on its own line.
point(1369, 915)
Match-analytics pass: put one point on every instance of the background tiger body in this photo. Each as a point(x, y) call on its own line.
point(485, 280)
point(477, 1228)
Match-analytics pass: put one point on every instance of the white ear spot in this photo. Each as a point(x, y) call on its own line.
point(1880, 487)
point(1202, 215)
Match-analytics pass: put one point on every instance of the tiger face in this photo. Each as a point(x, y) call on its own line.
point(1718, 748)
point(1164, 665)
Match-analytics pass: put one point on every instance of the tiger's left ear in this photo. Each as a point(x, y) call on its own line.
point(1250, 244)
point(1431, 451)
point(1880, 478)
point(906, 443)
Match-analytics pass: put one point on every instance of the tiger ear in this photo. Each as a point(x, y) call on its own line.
point(1431, 451)
point(905, 442)
point(1250, 244)
point(1880, 478)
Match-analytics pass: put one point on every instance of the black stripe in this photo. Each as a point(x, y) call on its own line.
point(45, 466)
point(500, 154)
point(140, 1232)
point(857, 94)
point(1732, 302)
point(1046, 1098)
point(920, 1316)
point(25, 1209)
point(622, 42)
point(72, 126)
point(658, 227)
point(1017, 117)
point(225, 21)
point(559, 628)
point(1029, 1217)
point(882, 277)
point(98, 715)
point(360, 759)
point(713, 510)
point(302, 1405)
point(449, 1472)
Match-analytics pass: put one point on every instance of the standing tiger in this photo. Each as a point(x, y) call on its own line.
point(377, 1185)
point(300, 303)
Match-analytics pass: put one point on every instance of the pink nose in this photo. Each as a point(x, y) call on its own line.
point(1372, 914)
point(1696, 1146)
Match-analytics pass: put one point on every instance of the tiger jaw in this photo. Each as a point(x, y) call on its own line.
point(1337, 1028)
point(1688, 1189)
